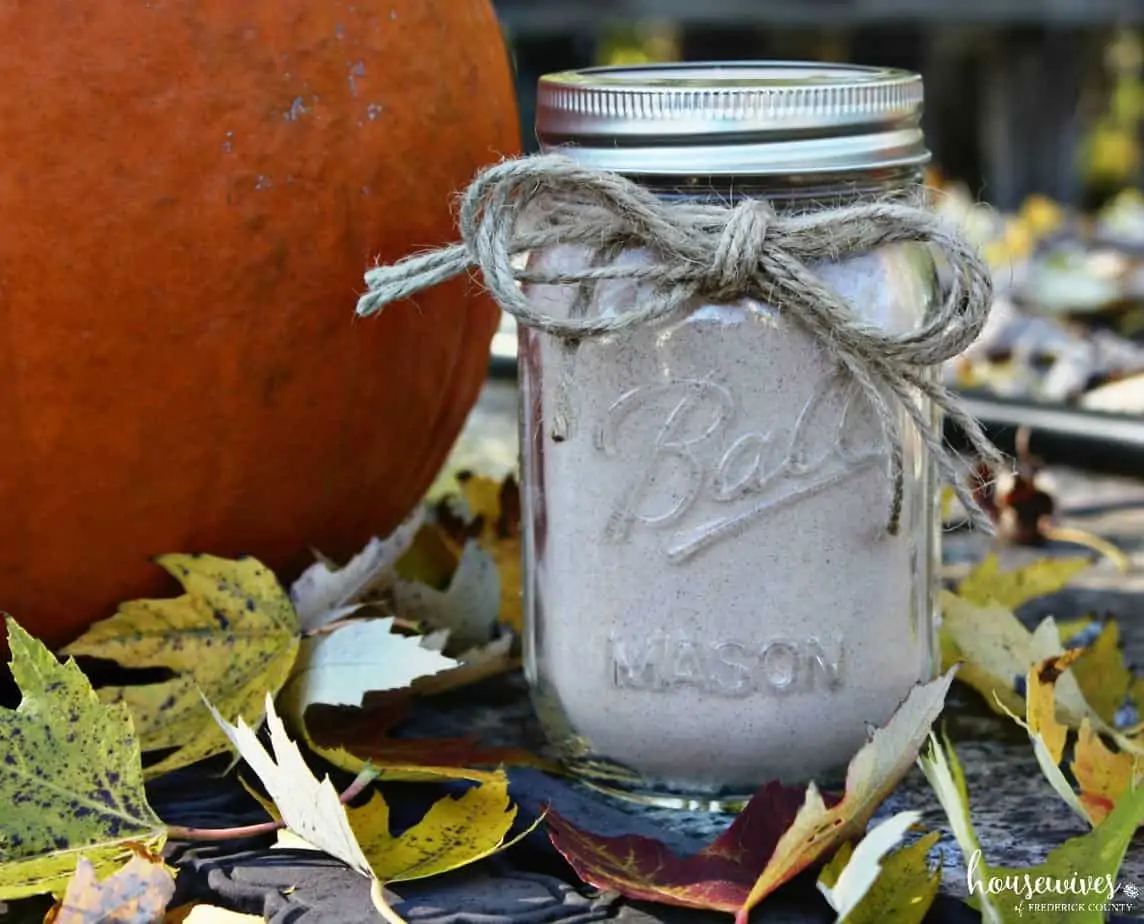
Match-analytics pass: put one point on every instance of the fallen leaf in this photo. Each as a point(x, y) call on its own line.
point(1091, 861)
point(1047, 735)
point(1101, 673)
point(137, 893)
point(1102, 774)
point(311, 809)
point(435, 640)
point(844, 884)
point(383, 662)
point(233, 635)
point(864, 886)
point(995, 652)
point(1021, 510)
point(321, 593)
point(948, 497)
point(494, 514)
point(468, 608)
point(71, 777)
point(288, 840)
point(351, 738)
point(987, 583)
point(455, 831)
point(719, 877)
point(475, 665)
point(431, 558)
point(779, 833)
point(338, 668)
point(198, 913)
point(1040, 705)
point(942, 770)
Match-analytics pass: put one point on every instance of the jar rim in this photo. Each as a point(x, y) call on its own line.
point(715, 118)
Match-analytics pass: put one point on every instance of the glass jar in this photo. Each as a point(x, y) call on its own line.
point(712, 597)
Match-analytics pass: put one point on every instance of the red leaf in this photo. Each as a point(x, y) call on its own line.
point(719, 877)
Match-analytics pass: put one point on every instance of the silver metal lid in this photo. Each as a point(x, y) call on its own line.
point(733, 117)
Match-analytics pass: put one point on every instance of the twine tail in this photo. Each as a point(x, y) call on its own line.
point(563, 415)
point(408, 276)
point(898, 477)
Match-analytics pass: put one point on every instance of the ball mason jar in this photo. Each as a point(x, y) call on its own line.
point(712, 597)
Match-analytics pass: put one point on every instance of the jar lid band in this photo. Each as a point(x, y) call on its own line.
point(733, 117)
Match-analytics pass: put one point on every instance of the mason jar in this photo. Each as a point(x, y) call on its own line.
point(712, 597)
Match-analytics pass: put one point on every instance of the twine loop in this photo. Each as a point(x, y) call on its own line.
point(719, 253)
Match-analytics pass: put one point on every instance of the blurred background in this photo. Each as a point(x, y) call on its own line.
point(1035, 116)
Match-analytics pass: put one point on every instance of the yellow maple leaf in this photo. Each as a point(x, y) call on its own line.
point(453, 833)
point(1102, 775)
point(233, 635)
point(988, 584)
point(137, 893)
point(900, 889)
point(71, 777)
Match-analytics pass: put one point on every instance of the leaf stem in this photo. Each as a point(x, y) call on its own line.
point(361, 781)
point(377, 894)
point(180, 833)
point(1089, 540)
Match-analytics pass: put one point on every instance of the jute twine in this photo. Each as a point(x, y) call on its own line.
point(719, 253)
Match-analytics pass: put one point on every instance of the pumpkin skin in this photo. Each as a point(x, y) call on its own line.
point(192, 190)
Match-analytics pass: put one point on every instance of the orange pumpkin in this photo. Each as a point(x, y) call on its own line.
point(191, 192)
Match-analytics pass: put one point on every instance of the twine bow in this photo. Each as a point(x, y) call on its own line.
point(720, 254)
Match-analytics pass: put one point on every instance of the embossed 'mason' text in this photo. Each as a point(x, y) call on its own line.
point(745, 475)
point(663, 662)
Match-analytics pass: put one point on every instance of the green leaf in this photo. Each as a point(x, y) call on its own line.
point(71, 777)
point(866, 886)
point(1072, 886)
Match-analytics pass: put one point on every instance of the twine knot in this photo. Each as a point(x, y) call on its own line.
point(721, 254)
point(739, 251)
